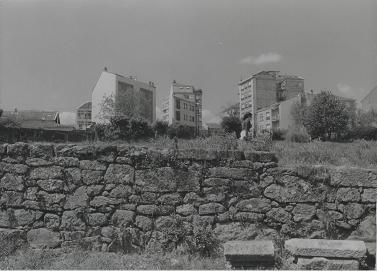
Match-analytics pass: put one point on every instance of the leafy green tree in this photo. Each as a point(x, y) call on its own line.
point(326, 116)
point(232, 124)
point(160, 127)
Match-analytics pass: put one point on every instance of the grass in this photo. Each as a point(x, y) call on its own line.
point(359, 153)
point(84, 260)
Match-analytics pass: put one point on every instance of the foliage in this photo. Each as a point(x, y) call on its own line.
point(181, 131)
point(297, 135)
point(359, 153)
point(123, 128)
point(232, 124)
point(197, 239)
point(203, 241)
point(160, 127)
point(327, 116)
point(125, 104)
point(1, 112)
point(84, 260)
point(279, 134)
point(363, 132)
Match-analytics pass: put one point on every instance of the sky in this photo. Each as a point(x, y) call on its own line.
point(52, 52)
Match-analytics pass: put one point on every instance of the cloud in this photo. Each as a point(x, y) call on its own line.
point(209, 117)
point(344, 88)
point(262, 59)
point(350, 92)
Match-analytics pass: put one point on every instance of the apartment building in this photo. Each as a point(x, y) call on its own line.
point(278, 115)
point(84, 116)
point(264, 89)
point(183, 106)
point(129, 97)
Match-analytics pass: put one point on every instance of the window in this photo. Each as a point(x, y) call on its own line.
point(187, 96)
point(178, 104)
point(261, 117)
point(268, 116)
point(177, 115)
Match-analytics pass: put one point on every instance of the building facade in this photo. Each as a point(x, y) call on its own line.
point(84, 116)
point(128, 97)
point(278, 116)
point(370, 101)
point(264, 89)
point(183, 106)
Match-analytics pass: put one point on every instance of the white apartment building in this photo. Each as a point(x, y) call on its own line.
point(126, 92)
point(183, 106)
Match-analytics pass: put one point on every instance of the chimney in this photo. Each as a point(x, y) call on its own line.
point(174, 82)
point(105, 69)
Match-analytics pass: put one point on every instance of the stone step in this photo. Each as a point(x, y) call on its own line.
point(346, 249)
point(249, 253)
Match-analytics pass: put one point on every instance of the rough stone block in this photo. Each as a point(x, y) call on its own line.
point(120, 174)
point(91, 176)
point(41, 150)
point(294, 189)
point(38, 162)
point(326, 248)
point(303, 212)
point(369, 195)
point(10, 241)
point(353, 177)
point(232, 173)
point(51, 185)
point(44, 173)
point(346, 194)
point(12, 182)
point(92, 165)
point(43, 238)
point(249, 253)
point(254, 205)
point(211, 209)
point(320, 263)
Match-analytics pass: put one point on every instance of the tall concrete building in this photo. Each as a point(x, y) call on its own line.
point(266, 88)
point(129, 97)
point(183, 106)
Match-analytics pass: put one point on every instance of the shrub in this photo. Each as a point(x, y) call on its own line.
point(181, 131)
point(203, 241)
point(232, 124)
point(279, 134)
point(160, 127)
point(297, 135)
point(123, 128)
point(363, 132)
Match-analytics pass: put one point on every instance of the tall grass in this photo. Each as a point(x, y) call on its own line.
point(83, 260)
point(359, 153)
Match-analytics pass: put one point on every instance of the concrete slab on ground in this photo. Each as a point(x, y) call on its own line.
point(346, 249)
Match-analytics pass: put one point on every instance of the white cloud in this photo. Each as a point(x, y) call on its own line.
point(209, 117)
point(350, 92)
point(262, 59)
point(344, 88)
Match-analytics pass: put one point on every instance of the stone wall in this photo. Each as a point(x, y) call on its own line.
point(113, 198)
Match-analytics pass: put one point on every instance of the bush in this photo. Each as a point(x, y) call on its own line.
point(203, 241)
point(160, 127)
point(279, 134)
point(123, 128)
point(363, 132)
point(232, 124)
point(298, 135)
point(181, 131)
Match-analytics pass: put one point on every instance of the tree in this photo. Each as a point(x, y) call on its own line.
point(160, 127)
point(327, 116)
point(298, 112)
point(232, 124)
